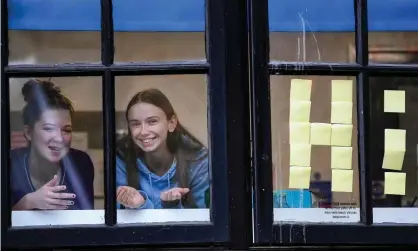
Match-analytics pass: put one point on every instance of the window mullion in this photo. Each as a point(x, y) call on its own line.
point(109, 147)
point(362, 57)
point(107, 32)
point(107, 37)
point(261, 121)
point(5, 125)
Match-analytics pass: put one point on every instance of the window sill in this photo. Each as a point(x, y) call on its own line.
point(92, 217)
point(406, 215)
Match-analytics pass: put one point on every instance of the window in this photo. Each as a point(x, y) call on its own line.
point(100, 130)
point(325, 122)
point(208, 123)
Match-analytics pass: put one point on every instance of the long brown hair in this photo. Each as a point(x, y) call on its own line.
point(180, 143)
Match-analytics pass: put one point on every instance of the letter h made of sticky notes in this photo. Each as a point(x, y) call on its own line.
point(320, 134)
point(341, 157)
point(342, 180)
point(300, 89)
point(299, 132)
point(341, 135)
point(299, 177)
point(341, 112)
point(342, 91)
point(300, 111)
point(300, 155)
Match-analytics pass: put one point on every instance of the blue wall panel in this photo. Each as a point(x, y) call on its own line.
point(189, 15)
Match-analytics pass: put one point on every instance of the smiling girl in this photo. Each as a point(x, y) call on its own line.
point(159, 163)
point(48, 174)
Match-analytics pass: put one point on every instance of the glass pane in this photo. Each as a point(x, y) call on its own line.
point(393, 31)
point(162, 150)
point(311, 31)
point(314, 147)
point(49, 32)
point(394, 161)
point(159, 30)
point(56, 151)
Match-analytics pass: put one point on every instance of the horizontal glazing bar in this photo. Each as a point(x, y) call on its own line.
point(393, 69)
point(148, 68)
point(170, 67)
point(312, 68)
point(55, 70)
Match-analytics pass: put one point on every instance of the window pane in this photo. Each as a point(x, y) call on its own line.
point(48, 32)
point(159, 30)
point(393, 31)
point(311, 31)
point(394, 160)
point(162, 164)
point(56, 151)
point(314, 147)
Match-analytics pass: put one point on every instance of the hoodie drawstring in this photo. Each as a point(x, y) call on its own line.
point(152, 188)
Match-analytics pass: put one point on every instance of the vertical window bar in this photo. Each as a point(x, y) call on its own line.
point(238, 136)
point(361, 32)
point(108, 48)
point(109, 147)
point(261, 127)
point(108, 89)
point(5, 125)
point(362, 56)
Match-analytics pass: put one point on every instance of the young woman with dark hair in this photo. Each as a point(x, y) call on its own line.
point(49, 174)
point(159, 163)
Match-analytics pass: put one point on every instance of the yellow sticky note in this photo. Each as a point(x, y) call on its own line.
point(341, 157)
point(300, 89)
point(300, 155)
point(342, 180)
point(342, 91)
point(393, 160)
point(395, 139)
point(300, 111)
point(299, 177)
point(395, 183)
point(341, 112)
point(394, 101)
point(299, 132)
point(320, 134)
point(341, 135)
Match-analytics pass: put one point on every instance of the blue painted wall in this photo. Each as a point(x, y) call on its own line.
point(189, 15)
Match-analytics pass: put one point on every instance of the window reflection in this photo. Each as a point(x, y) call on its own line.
point(43, 32)
point(51, 164)
point(308, 31)
point(52, 47)
point(393, 36)
point(146, 31)
point(162, 158)
point(314, 147)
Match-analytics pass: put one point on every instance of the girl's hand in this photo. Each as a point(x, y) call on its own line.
point(49, 197)
point(129, 197)
point(174, 194)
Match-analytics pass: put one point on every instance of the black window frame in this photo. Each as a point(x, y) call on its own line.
point(227, 70)
point(298, 233)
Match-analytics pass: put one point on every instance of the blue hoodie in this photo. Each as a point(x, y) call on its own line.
point(151, 185)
